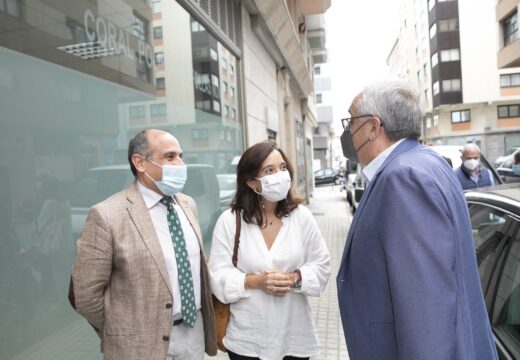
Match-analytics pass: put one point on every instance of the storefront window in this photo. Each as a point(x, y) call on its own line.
point(78, 79)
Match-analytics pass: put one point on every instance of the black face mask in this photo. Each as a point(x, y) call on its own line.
point(349, 150)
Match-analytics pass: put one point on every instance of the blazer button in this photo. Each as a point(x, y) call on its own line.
point(168, 306)
point(166, 338)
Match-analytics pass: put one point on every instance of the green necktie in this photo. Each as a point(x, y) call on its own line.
point(188, 308)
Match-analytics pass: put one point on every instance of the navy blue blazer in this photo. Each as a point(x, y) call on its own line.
point(408, 282)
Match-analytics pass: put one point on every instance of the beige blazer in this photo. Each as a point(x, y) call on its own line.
point(120, 282)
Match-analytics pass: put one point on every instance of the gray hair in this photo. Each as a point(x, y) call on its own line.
point(138, 145)
point(397, 104)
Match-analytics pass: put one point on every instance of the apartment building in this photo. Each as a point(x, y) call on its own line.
point(324, 133)
point(464, 62)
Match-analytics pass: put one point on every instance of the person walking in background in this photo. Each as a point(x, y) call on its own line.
point(470, 174)
point(140, 276)
point(408, 283)
point(282, 259)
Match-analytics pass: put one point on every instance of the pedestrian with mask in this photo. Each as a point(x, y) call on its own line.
point(408, 283)
point(282, 260)
point(140, 276)
point(470, 174)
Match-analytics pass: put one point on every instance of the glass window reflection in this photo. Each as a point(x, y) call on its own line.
point(68, 114)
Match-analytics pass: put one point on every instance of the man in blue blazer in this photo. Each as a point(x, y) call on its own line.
point(408, 283)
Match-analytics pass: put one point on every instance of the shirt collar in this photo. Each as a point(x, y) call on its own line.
point(372, 168)
point(151, 198)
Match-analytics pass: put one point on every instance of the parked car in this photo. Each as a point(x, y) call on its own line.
point(228, 188)
point(354, 187)
point(326, 176)
point(495, 222)
point(508, 156)
point(449, 152)
point(101, 182)
point(505, 170)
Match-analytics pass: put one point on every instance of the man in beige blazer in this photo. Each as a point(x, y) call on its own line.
point(125, 280)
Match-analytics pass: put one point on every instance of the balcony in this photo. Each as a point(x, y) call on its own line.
point(325, 114)
point(319, 56)
point(320, 142)
point(316, 39)
point(509, 56)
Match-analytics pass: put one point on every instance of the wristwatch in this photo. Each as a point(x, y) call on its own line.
point(297, 279)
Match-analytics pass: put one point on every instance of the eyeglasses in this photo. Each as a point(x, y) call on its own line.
point(347, 122)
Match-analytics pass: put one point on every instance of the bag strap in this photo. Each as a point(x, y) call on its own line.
point(237, 238)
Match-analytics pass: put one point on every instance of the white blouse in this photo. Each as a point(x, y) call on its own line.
point(263, 325)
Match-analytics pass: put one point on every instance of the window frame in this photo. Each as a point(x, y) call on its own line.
point(157, 32)
point(508, 111)
point(510, 28)
point(447, 25)
point(433, 30)
point(451, 87)
point(510, 78)
point(461, 113)
point(447, 55)
point(436, 89)
point(435, 56)
point(160, 83)
point(159, 58)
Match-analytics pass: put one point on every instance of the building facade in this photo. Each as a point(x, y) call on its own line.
point(472, 70)
point(279, 89)
point(324, 133)
point(79, 78)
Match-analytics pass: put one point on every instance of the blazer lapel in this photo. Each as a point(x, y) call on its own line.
point(401, 148)
point(141, 217)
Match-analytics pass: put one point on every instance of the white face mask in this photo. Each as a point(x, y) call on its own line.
point(173, 178)
point(276, 186)
point(470, 164)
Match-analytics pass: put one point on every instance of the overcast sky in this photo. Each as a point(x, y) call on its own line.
point(360, 35)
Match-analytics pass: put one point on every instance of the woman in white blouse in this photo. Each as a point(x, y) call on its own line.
point(282, 259)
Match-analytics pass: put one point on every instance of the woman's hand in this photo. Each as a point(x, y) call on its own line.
point(272, 282)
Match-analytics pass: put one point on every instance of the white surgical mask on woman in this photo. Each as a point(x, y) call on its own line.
point(275, 187)
point(173, 178)
point(470, 164)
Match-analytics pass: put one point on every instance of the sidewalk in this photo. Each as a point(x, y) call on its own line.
point(333, 216)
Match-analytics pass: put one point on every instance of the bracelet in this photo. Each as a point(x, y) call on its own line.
point(297, 279)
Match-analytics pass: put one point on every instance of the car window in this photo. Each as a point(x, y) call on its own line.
point(489, 227)
point(318, 173)
point(506, 310)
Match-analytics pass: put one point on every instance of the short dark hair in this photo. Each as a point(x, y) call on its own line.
point(138, 145)
point(517, 157)
point(246, 200)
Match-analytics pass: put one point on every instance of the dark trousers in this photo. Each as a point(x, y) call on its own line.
point(233, 356)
